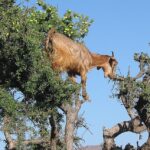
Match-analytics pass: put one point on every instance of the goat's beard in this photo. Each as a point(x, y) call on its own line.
point(114, 70)
point(113, 73)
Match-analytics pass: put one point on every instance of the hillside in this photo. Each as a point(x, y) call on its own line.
point(94, 147)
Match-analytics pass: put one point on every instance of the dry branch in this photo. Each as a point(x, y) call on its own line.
point(109, 135)
point(12, 144)
point(137, 124)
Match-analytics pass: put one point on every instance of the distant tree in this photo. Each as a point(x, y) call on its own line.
point(31, 93)
point(134, 94)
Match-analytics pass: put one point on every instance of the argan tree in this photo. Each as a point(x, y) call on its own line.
point(134, 94)
point(33, 98)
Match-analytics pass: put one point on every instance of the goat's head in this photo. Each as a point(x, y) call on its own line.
point(109, 67)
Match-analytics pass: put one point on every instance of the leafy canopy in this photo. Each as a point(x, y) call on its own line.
point(25, 68)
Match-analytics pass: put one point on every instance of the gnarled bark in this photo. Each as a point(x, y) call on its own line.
point(139, 116)
point(54, 132)
point(71, 111)
point(109, 135)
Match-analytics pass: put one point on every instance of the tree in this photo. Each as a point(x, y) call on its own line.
point(31, 93)
point(134, 94)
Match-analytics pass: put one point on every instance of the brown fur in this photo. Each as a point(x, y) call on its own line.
point(75, 59)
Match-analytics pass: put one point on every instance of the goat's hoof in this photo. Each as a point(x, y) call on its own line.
point(86, 97)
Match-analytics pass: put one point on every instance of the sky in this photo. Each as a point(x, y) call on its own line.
point(119, 26)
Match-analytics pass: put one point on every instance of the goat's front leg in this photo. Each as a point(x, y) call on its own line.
point(83, 81)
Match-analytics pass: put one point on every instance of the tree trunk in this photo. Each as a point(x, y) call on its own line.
point(145, 117)
point(54, 132)
point(69, 129)
point(71, 111)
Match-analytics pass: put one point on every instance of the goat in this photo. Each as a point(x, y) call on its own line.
point(75, 59)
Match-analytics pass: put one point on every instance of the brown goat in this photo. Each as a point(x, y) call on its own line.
point(75, 59)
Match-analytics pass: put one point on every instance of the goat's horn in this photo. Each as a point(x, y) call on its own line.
point(112, 54)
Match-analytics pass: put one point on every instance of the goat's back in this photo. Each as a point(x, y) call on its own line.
point(68, 54)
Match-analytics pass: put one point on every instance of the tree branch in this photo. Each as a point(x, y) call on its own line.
point(140, 74)
point(129, 109)
point(109, 135)
point(9, 140)
point(13, 143)
point(36, 141)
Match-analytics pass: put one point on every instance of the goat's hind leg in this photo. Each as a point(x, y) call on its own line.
point(72, 77)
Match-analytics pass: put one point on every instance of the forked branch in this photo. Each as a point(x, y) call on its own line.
point(109, 135)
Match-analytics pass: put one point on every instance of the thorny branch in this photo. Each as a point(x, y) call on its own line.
point(136, 124)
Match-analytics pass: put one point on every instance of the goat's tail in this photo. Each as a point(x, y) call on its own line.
point(49, 37)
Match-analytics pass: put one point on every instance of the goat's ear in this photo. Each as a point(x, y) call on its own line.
point(112, 61)
point(98, 68)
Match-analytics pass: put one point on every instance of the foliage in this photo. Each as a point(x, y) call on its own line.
point(71, 24)
point(134, 94)
point(137, 90)
point(25, 68)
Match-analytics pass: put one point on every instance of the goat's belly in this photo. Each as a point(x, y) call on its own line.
point(77, 68)
point(69, 63)
point(74, 70)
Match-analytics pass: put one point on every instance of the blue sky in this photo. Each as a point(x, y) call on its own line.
point(119, 26)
